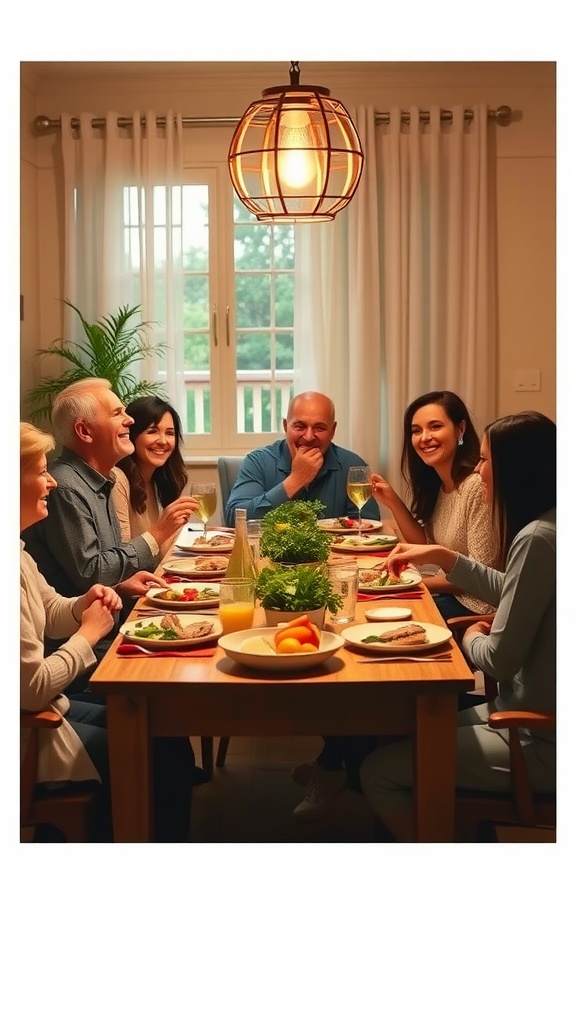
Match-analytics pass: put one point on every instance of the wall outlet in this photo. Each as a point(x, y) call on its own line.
point(527, 380)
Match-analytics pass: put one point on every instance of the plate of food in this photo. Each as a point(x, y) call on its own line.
point(351, 543)
point(189, 540)
point(393, 639)
point(346, 524)
point(380, 581)
point(171, 631)
point(196, 568)
point(255, 648)
point(198, 595)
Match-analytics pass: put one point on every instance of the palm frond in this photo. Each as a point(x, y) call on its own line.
point(109, 349)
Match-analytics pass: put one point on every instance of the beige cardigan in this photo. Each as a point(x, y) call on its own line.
point(61, 757)
point(132, 523)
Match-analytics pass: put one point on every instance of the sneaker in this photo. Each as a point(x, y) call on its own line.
point(320, 794)
point(303, 773)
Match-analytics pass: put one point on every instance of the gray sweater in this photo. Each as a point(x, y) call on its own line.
point(520, 651)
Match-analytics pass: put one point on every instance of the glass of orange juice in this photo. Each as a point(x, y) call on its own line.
point(236, 609)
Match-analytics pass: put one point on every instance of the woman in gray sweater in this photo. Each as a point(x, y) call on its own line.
point(518, 471)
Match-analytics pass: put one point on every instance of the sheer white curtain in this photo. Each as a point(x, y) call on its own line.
point(397, 296)
point(122, 219)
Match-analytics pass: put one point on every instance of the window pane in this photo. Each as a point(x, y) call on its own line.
point(196, 309)
point(284, 300)
point(284, 351)
point(253, 351)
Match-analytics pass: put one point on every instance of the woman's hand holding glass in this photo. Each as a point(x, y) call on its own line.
point(205, 496)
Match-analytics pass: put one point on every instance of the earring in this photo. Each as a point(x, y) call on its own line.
point(461, 440)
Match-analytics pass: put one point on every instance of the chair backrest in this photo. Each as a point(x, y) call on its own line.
point(228, 469)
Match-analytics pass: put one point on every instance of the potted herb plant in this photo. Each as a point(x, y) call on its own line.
point(109, 349)
point(298, 549)
point(290, 533)
point(285, 591)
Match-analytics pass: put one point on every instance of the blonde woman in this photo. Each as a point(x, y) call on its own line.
point(78, 750)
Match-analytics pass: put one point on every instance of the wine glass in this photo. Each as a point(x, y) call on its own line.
point(206, 497)
point(359, 488)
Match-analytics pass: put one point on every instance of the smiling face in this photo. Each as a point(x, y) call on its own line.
point(484, 469)
point(435, 436)
point(107, 436)
point(311, 423)
point(35, 485)
point(154, 446)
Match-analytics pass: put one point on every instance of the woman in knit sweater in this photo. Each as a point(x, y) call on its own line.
point(440, 451)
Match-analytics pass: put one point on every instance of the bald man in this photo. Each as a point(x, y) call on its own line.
point(305, 465)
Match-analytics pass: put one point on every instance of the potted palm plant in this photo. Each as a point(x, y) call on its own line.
point(109, 349)
point(298, 549)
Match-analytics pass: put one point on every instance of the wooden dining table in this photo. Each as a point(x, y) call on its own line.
point(350, 694)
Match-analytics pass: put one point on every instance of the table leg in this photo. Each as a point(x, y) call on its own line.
point(435, 767)
point(130, 768)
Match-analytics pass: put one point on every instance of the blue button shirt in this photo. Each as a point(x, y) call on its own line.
point(259, 486)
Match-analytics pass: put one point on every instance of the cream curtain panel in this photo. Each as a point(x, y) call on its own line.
point(396, 296)
point(122, 218)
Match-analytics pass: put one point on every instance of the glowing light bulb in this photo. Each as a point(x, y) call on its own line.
point(297, 165)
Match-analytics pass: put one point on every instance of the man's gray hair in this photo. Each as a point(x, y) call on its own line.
point(74, 403)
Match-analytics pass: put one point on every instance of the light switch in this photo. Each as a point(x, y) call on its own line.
point(527, 380)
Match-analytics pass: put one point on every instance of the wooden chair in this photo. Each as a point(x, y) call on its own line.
point(521, 806)
point(64, 809)
point(207, 748)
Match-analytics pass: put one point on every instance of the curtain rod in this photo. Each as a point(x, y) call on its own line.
point(501, 115)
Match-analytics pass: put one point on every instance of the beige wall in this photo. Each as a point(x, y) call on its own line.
point(526, 174)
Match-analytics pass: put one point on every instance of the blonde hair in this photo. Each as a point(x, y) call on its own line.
point(74, 403)
point(33, 444)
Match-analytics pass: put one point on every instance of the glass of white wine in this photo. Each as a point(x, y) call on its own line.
point(206, 497)
point(359, 489)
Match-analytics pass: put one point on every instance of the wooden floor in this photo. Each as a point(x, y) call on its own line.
point(251, 799)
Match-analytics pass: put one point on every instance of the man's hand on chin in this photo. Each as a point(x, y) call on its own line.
point(306, 465)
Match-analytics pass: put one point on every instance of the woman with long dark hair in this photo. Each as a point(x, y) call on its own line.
point(517, 469)
point(149, 483)
point(440, 451)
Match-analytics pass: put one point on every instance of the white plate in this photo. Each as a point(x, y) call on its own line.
point(330, 643)
point(408, 578)
point(382, 542)
point(189, 540)
point(189, 567)
point(179, 588)
point(127, 630)
point(354, 635)
point(387, 614)
point(331, 525)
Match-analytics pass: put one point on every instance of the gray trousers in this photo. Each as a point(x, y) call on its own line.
point(482, 763)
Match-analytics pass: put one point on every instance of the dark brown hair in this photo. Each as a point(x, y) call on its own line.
point(523, 455)
point(168, 479)
point(423, 480)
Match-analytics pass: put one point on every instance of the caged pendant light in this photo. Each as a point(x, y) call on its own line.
point(295, 155)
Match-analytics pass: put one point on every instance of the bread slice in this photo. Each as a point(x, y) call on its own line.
point(407, 635)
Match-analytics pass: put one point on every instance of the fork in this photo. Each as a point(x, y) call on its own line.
point(405, 657)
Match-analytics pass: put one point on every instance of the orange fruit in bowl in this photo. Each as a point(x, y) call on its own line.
point(289, 645)
point(308, 649)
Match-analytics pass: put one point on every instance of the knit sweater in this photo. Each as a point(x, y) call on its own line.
point(61, 756)
point(462, 522)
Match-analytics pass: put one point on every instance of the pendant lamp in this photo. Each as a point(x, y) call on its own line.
point(295, 155)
